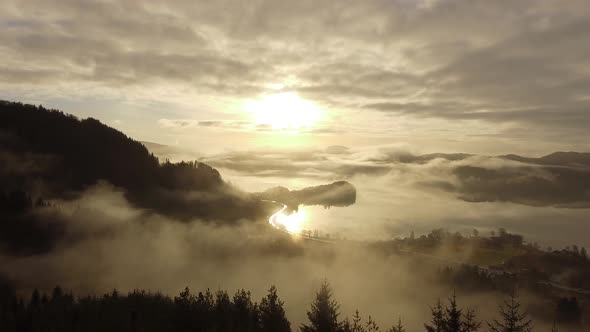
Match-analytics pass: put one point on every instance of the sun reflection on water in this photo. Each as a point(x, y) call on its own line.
point(293, 223)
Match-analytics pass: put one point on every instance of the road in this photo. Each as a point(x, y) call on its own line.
point(273, 223)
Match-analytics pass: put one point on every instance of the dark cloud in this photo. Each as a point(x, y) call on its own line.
point(210, 123)
point(535, 76)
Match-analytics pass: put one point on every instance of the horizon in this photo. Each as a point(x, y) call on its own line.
point(372, 155)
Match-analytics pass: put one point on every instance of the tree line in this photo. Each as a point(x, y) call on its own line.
point(48, 156)
point(219, 312)
point(61, 154)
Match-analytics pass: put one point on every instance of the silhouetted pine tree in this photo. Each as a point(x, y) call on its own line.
point(438, 321)
point(184, 304)
point(452, 319)
point(245, 313)
point(512, 320)
point(272, 313)
point(323, 315)
point(399, 327)
point(203, 307)
point(470, 324)
point(372, 325)
point(357, 325)
point(453, 316)
point(345, 325)
point(222, 311)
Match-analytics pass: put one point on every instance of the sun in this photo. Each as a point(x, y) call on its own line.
point(283, 111)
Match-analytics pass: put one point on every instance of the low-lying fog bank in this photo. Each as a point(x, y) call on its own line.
point(110, 245)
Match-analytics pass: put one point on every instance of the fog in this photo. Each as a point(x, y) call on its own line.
point(397, 195)
point(167, 133)
point(104, 237)
point(110, 244)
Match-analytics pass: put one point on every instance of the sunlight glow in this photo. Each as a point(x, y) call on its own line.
point(293, 223)
point(283, 111)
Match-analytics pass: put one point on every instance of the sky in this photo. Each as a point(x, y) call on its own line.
point(300, 93)
point(485, 77)
point(307, 92)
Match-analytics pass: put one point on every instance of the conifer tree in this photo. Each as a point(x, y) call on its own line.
point(272, 313)
point(438, 321)
point(323, 315)
point(203, 307)
point(512, 319)
point(222, 310)
point(453, 316)
point(357, 325)
point(372, 325)
point(469, 323)
point(399, 327)
point(184, 304)
point(345, 326)
point(245, 313)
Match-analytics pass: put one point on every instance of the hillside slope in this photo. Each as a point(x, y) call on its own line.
point(51, 155)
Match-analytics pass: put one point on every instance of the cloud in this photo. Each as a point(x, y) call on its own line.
point(304, 163)
point(337, 149)
point(110, 244)
point(167, 123)
point(559, 179)
point(433, 59)
point(189, 123)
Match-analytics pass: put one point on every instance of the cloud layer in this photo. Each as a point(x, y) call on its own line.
point(518, 68)
point(111, 244)
point(399, 191)
point(559, 179)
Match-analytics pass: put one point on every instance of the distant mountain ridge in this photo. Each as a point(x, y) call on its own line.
point(558, 158)
point(560, 179)
point(555, 158)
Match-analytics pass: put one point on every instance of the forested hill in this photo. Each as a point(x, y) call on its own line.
point(340, 193)
point(49, 154)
